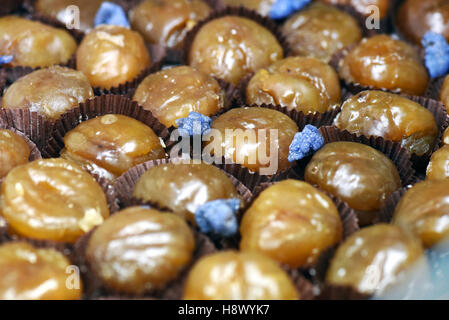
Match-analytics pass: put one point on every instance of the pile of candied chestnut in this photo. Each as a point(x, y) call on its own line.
point(317, 162)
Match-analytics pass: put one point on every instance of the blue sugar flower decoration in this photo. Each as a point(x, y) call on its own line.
point(111, 13)
point(283, 8)
point(195, 124)
point(437, 54)
point(218, 217)
point(6, 59)
point(305, 143)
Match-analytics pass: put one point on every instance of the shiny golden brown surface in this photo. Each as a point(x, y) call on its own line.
point(184, 187)
point(444, 94)
point(50, 92)
point(320, 30)
point(438, 167)
point(34, 44)
point(52, 199)
point(304, 84)
point(166, 22)
point(291, 222)
point(232, 275)
point(393, 117)
point(231, 47)
point(416, 17)
point(28, 273)
point(385, 63)
point(257, 138)
point(263, 7)
point(424, 210)
point(56, 9)
point(138, 250)
point(173, 93)
point(14, 151)
point(111, 144)
point(362, 6)
point(111, 55)
point(357, 173)
point(374, 258)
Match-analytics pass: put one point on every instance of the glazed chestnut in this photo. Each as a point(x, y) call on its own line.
point(356, 173)
point(57, 9)
point(111, 55)
point(374, 258)
point(438, 167)
point(416, 17)
point(28, 273)
point(50, 92)
point(382, 62)
point(166, 22)
point(231, 275)
point(14, 151)
point(393, 117)
point(444, 94)
point(139, 250)
point(304, 84)
point(263, 7)
point(257, 138)
point(173, 93)
point(52, 199)
point(34, 44)
point(424, 210)
point(320, 30)
point(231, 47)
point(363, 6)
point(291, 222)
point(183, 187)
point(111, 144)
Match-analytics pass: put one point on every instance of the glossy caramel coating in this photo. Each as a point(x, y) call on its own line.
point(263, 7)
point(424, 210)
point(49, 92)
point(34, 44)
point(321, 30)
point(250, 141)
point(393, 117)
point(28, 273)
point(183, 187)
point(56, 9)
point(138, 250)
point(438, 167)
point(444, 93)
point(14, 151)
point(291, 222)
point(231, 47)
point(356, 173)
point(362, 6)
point(111, 144)
point(416, 17)
point(232, 275)
point(303, 84)
point(173, 93)
point(166, 22)
point(385, 63)
point(111, 55)
point(52, 199)
point(373, 258)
